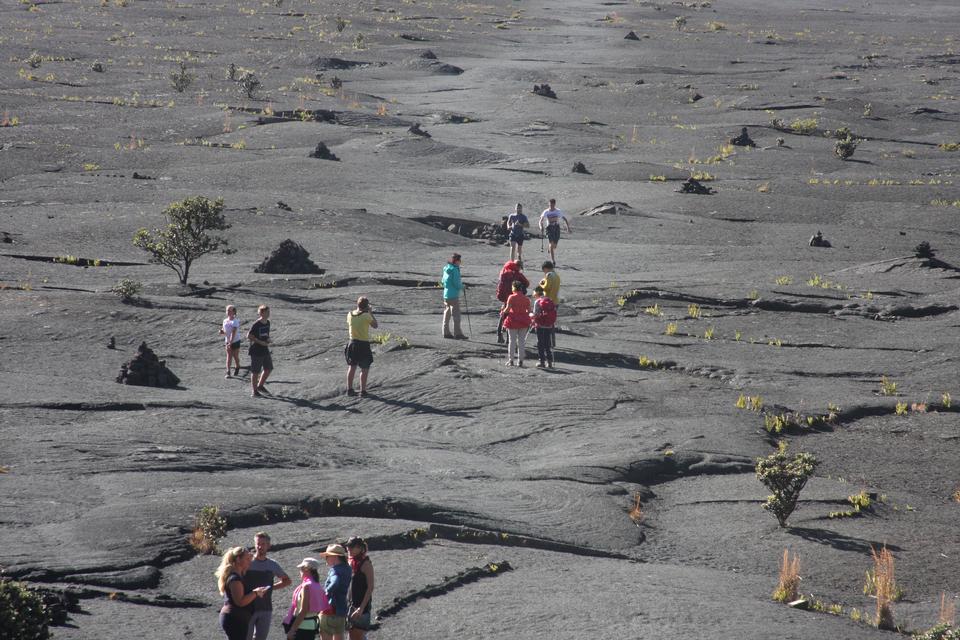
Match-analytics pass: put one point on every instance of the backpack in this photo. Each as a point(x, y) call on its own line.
point(547, 313)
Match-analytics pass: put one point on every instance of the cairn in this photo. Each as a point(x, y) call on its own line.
point(147, 370)
point(324, 153)
point(695, 186)
point(544, 90)
point(289, 257)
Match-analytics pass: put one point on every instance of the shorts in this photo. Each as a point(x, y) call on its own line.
point(360, 622)
point(235, 345)
point(260, 361)
point(357, 352)
point(518, 239)
point(553, 233)
point(331, 625)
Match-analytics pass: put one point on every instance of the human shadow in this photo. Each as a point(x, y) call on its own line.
point(418, 407)
point(839, 541)
point(309, 404)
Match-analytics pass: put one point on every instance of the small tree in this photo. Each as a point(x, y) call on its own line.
point(786, 478)
point(186, 236)
point(22, 612)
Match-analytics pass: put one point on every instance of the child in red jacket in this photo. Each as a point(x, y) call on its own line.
point(512, 272)
point(516, 320)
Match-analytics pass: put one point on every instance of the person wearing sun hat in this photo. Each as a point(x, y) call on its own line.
point(333, 619)
point(309, 599)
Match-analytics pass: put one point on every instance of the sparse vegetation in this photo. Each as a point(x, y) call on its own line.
point(649, 363)
point(941, 631)
point(126, 289)
point(804, 126)
point(209, 528)
point(785, 477)
point(679, 22)
point(784, 280)
point(845, 148)
point(887, 386)
point(948, 611)
point(882, 583)
point(945, 399)
point(671, 328)
point(788, 586)
point(693, 311)
point(249, 83)
point(655, 310)
point(708, 333)
point(901, 408)
point(23, 615)
point(859, 501)
point(636, 510)
point(359, 42)
point(180, 78)
point(186, 236)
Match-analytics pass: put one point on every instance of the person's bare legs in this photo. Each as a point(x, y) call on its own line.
point(351, 370)
point(263, 379)
point(229, 358)
point(236, 361)
point(553, 252)
point(363, 380)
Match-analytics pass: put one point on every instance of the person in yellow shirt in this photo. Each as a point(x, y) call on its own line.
point(550, 282)
point(357, 351)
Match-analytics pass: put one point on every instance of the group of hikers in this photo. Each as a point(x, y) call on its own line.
point(331, 607)
point(518, 315)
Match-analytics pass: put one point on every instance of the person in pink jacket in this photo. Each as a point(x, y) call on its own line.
point(516, 320)
point(309, 599)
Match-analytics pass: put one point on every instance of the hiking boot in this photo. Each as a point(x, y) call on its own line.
point(255, 394)
point(509, 363)
point(540, 365)
point(550, 364)
point(448, 336)
point(460, 337)
point(351, 392)
point(520, 364)
point(263, 389)
point(227, 377)
point(500, 339)
point(364, 394)
point(236, 371)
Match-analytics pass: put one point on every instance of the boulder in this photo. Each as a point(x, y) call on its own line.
point(289, 257)
point(695, 186)
point(324, 153)
point(544, 90)
point(147, 370)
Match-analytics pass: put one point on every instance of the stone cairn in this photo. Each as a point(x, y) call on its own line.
point(147, 370)
point(289, 257)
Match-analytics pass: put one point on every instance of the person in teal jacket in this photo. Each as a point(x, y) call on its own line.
point(452, 288)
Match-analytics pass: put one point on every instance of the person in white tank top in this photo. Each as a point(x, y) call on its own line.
point(230, 330)
point(550, 220)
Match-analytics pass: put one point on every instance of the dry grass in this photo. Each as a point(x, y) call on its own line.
point(636, 511)
point(788, 587)
point(201, 543)
point(886, 586)
point(948, 611)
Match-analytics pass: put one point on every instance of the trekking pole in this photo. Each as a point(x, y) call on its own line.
point(466, 310)
point(541, 239)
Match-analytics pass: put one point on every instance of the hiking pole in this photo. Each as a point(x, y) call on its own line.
point(466, 310)
point(541, 239)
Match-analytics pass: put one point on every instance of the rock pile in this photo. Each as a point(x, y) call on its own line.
point(289, 257)
point(743, 140)
point(323, 153)
point(416, 130)
point(579, 167)
point(493, 233)
point(695, 186)
point(147, 370)
point(544, 90)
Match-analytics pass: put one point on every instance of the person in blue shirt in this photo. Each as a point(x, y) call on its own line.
point(516, 223)
point(333, 619)
point(452, 289)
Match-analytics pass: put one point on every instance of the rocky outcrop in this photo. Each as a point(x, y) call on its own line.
point(289, 257)
point(147, 370)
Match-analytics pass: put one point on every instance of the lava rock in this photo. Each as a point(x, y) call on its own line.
point(695, 186)
point(323, 153)
point(289, 257)
point(817, 240)
point(579, 167)
point(417, 131)
point(631, 36)
point(743, 140)
point(427, 54)
point(147, 370)
point(544, 90)
point(283, 206)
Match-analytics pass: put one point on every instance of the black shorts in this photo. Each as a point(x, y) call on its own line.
point(518, 239)
point(357, 352)
point(553, 233)
point(234, 346)
point(260, 361)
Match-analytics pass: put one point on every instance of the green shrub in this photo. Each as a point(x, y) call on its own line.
point(942, 631)
point(23, 615)
point(785, 477)
point(209, 528)
point(127, 290)
point(181, 78)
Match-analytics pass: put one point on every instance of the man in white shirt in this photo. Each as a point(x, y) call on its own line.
point(550, 220)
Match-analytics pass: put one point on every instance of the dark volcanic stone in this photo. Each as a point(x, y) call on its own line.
point(147, 370)
point(743, 140)
point(417, 131)
point(579, 167)
point(695, 186)
point(544, 90)
point(429, 55)
point(323, 63)
point(289, 257)
point(323, 153)
point(631, 36)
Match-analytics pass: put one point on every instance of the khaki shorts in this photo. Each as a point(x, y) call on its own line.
point(332, 625)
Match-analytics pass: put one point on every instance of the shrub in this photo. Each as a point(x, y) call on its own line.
point(887, 386)
point(804, 125)
point(948, 611)
point(209, 528)
point(788, 587)
point(186, 236)
point(127, 290)
point(924, 250)
point(885, 586)
point(939, 632)
point(844, 148)
point(23, 615)
point(679, 22)
point(636, 510)
point(249, 83)
point(181, 78)
point(785, 477)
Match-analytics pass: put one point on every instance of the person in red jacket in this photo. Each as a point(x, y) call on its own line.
point(512, 272)
point(516, 320)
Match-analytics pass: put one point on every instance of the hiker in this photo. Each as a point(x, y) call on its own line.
point(260, 359)
point(309, 599)
point(235, 613)
point(263, 572)
point(816, 240)
point(550, 219)
point(516, 314)
point(357, 352)
point(361, 588)
point(333, 619)
point(516, 223)
point(544, 317)
point(511, 272)
point(551, 289)
point(230, 330)
point(452, 288)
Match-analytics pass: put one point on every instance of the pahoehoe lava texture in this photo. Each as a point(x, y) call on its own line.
point(611, 495)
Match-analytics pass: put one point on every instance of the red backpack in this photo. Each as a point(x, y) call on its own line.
point(546, 315)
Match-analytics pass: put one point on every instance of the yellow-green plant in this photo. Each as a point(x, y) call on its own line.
point(788, 585)
point(887, 386)
point(671, 328)
point(708, 333)
point(784, 280)
point(693, 310)
point(655, 310)
point(804, 125)
point(648, 363)
point(945, 399)
point(901, 408)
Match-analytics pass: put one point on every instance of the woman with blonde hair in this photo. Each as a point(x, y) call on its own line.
point(235, 613)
